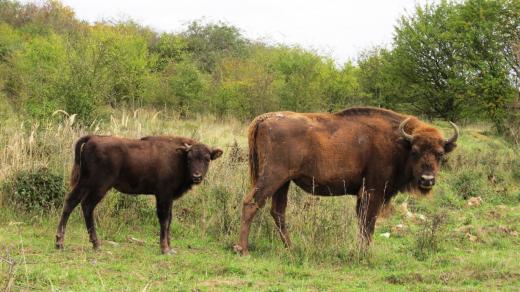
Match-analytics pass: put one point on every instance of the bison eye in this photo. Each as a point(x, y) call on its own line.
point(415, 154)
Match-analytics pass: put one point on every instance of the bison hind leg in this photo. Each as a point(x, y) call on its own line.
point(71, 201)
point(88, 204)
point(278, 207)
point(255, 200)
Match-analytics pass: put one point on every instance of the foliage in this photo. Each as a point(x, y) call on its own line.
point(37, 75)
point(35, 190)
point(376, 79)
point(170, 48)
point(454, 60)
point(209, 43)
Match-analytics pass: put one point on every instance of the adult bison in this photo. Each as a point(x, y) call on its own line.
point(369, 152)
point(164, 166)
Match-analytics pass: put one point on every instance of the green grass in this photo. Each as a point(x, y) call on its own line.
point(205, 263)
point(470, 248)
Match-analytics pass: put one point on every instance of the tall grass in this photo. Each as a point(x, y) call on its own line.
point(322, 229)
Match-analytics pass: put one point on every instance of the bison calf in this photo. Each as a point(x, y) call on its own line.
point(164, 166)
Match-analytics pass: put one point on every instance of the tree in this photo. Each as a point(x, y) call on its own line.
point(211, 42)
point(454, 60)
point(43, 17)
point(378, 80)
point(428, 57)
point(247, 87)
point(170, 48)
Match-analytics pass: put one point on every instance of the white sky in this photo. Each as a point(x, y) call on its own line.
point(340, 29)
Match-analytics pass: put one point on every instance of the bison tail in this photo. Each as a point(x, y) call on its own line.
point(253, 155)
point(253, 151)
point(74, 176)
point(76, 168)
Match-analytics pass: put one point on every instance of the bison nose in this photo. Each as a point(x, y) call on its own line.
point(197, 177)
point(427, 180)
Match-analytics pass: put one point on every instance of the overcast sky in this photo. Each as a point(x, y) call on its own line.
point(340, 29)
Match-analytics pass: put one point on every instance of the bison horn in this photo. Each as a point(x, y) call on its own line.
point(455, 134)
point(187, 146)
point(403, 133)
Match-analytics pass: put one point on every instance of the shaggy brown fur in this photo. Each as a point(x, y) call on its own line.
point(166, 167)
point(359, 151)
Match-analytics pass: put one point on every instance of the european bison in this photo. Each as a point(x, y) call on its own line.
point(368, 152)
point(164, 166)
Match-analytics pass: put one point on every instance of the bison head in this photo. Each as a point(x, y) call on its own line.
point(427, 147)
point(198, 157)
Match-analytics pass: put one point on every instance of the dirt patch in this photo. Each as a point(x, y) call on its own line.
point(223, 282)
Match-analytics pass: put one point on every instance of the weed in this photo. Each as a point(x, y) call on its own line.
point(427, 240)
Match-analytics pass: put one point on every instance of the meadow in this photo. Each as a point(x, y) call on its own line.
point(464, 236)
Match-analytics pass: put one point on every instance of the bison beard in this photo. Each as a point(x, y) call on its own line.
point(164, 166)
point(368, 152)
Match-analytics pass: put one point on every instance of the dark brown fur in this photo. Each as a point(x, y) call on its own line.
point(358, 151)
point(164, 166)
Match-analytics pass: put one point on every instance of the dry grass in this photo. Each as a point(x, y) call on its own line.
point(212, 208)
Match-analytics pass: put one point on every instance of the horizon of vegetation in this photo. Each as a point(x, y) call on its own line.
point(454, 60)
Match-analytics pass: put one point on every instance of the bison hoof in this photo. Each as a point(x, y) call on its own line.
point(95, 245)
point(59, 245)
point(169, 251)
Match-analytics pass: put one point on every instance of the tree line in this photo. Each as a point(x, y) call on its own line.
point(453, 60)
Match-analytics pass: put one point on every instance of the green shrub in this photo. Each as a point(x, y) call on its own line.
point(35, 190)
point(470, 183)
point(445, 197)
point(38, 73)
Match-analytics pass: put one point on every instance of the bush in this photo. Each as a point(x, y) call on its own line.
point(470, 183)
point(35, 190)
point(427, 240)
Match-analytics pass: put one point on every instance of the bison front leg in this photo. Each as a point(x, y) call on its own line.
point(169, 224)
point(164, 209)
point(367, 208)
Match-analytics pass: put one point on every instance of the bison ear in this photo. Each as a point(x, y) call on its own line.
point(184, 149)
point(215, 153)
point(448, 147)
